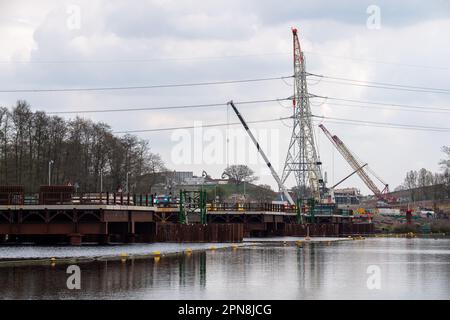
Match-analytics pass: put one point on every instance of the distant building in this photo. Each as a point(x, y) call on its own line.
point(180, 177)
point(347, 196)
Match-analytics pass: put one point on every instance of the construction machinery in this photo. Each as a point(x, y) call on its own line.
point(261, 152)
point(357, 165)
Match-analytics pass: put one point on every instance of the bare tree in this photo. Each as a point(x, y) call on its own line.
point(81, 150)
point(240, 173)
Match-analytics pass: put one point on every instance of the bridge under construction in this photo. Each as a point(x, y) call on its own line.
point(59, 216)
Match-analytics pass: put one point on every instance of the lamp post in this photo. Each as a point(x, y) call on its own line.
point(101, 180)
point(127, 182)
point(50, 171)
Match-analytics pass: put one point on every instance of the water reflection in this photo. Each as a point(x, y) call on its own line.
point(410, 269)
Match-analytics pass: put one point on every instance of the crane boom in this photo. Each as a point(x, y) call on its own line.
point(261, 152)
point(355, 164)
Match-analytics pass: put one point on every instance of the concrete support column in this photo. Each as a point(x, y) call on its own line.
point(75, 239)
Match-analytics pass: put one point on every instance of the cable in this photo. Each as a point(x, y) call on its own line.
point(384, 103)
point(164, 108)
point(145, 60)
point(383, 108)
point(379, 126)
point(195, 84)
point(203, 126)
point(386, 124)
point(379, 62)
point(380, 85)
point(224, 57)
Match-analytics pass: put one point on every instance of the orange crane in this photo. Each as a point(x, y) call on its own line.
point(359, 167)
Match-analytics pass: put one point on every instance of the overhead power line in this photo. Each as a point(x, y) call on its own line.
point(364, 60)
point(219, 57)
point(203, 126)
point(408, 106)
point(386, 124)
point(173, 85)
point(137, 60)
point(223, 104)
point(379, 85)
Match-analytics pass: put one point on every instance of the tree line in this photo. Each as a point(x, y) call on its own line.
point(82, 153)
point(426, 185)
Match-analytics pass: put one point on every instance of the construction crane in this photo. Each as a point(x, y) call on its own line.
point(261, 152)
point(356, 164)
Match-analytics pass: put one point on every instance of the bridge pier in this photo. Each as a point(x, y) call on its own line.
point(131, 238)
point(104, 239)
point(75, 239)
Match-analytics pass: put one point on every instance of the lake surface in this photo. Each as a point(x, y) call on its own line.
point(408, 269)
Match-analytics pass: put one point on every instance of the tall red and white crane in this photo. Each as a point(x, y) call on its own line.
point(359, 167)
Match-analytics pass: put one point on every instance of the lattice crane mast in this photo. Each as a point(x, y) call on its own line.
point(357, 165)
point(261, 152)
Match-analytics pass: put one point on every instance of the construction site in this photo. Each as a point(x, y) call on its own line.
point(59, 214)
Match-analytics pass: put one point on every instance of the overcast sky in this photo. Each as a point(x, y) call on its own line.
point(135, 43)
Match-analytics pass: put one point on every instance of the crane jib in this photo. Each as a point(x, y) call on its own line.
point(261, 152)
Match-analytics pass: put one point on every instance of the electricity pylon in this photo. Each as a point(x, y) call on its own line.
point(302, 157)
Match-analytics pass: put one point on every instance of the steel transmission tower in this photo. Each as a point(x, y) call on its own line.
point(302, 158)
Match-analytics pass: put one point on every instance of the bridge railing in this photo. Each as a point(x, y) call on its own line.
point(270, 207)
point(103, 198)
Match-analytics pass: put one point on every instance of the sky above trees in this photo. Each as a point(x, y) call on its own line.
point(135, 43)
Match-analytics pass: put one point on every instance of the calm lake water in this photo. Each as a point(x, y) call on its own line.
point(409, 269)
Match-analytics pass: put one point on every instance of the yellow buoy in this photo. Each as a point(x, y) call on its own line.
point(298, 243)
point(188, 250)
point(156, 253)
point(124, 255)
point(213, 248)
point(234, 247)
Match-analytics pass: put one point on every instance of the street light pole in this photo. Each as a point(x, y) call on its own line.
point(127, 182)
point(50, 171)
point(101, 180)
